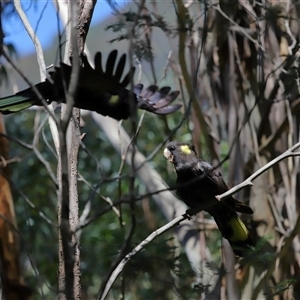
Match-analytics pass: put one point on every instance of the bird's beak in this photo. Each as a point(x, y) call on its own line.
point(168, 155)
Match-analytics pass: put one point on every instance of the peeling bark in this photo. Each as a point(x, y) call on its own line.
point(13, 284)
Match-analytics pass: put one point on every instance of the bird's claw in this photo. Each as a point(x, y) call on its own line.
point(191, 212)
point(188, 214)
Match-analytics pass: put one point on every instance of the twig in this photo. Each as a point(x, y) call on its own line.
point(39, 154)
point(163, 76)
point(40, 97)
point(255, 42)
point(88, 206)
point(140, 72)
point(31, 204)
point(288, 30)
point(70, 96)
point(4, 162)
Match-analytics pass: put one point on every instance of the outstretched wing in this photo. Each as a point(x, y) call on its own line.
point(103, 91)
point(113, 71)
point(156, 100)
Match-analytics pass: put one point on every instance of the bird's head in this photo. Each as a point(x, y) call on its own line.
point(176, 151)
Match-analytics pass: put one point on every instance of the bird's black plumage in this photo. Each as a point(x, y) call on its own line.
point(198, 184)
point(101, 91)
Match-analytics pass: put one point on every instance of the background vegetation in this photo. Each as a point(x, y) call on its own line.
point(236, 64)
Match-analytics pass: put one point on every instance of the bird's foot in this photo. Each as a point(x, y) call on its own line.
point(191, 212)
point(188, 214)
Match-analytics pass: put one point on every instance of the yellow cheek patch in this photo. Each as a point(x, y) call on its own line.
point(240, 232)
point(114, 99)
point(185, 149)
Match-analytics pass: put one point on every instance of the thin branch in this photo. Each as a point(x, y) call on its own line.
point(40, 97)
point(34, 38)
point(163, 76)
point(241, 29)
point(142, 245)
point(248, 181)
point(39, 154)
point(136, 250)
point(71, 93)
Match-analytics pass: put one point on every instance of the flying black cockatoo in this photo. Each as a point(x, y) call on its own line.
point(198, 184)
point(101, 91)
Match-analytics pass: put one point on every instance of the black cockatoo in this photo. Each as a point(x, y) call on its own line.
point(198, 183)
point(98, 90)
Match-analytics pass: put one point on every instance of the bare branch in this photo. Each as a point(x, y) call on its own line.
point(248, 181)
point(34, 38)
point(136, 250)
point(31, 85)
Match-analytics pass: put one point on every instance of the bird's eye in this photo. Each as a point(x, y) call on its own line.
point(172, 147)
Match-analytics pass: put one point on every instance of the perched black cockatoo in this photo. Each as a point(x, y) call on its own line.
point(198, 183)
point(98, 90)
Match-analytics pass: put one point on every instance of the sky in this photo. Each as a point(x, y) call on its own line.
point(42, 17)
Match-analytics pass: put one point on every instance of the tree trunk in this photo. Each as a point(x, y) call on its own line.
point(13, 285)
